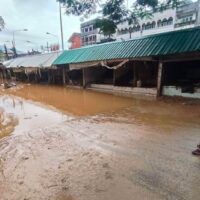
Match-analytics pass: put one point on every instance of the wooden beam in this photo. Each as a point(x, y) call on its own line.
point(159, 80)
point(64, 75)
point(135, 74)
point(181, 57)
point(49, 76)
point(84, 78)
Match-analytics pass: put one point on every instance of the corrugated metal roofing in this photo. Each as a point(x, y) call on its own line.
point(39, 60)
point(187, 40)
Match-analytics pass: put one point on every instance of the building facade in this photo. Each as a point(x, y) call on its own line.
point(75, 41)
point(186, 16)
point(89, 34)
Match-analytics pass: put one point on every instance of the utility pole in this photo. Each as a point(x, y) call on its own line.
point(47, 47)
point(6, 52)
point(13, 42)
point(61, 27)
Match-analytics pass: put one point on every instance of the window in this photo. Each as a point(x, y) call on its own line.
point(86, 29)
point(147, 26)
point(170, 21)
point(137, 28)
point(153, 24)
point(164, 22)
point(90, 38)
point(91, 28)
point(143, 26)
point(94, 38)
point(159, 23)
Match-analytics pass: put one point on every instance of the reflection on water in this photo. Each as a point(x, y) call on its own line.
point(19, 115)
point(7, 123)
point(74, 101)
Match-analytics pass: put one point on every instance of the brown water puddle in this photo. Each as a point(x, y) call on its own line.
point(18, 115)
point(76, 102)
point(105, 147)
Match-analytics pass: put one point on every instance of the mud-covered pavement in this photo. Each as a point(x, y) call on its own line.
point(119, 149)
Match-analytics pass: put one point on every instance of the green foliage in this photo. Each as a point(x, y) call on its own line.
point(2, 23)
point(116, 10)
point(106, 26)
point(80, 7)
point(150, 3)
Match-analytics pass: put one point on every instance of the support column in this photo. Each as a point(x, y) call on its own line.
point(64, 75)
point(36, 79)
point(84, 78)
point(135, 74)
point(53, 76)
point(114, 77)
point(28, 77)
point(49, 76)
point(160, 77)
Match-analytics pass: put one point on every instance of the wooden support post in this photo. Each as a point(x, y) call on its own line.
point(159, 80)
point(84, 78)
point(49, 76)
point(64, 75)
point(28, 77)
point(1, 73)
point(135, 74)
point(53, 76)
point(114, 77)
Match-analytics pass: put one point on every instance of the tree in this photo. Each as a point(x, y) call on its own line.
point(2, 23)
point(116, 10)
point(106, 26)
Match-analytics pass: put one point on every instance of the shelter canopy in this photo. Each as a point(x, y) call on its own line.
point(39, 60)
point(170, 43)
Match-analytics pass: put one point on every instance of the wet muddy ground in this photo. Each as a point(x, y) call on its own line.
point(64, 144)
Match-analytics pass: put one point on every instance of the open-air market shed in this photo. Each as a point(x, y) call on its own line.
point(144, 65)
point(34, 67)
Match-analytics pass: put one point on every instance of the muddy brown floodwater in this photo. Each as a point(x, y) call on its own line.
point(68, 144)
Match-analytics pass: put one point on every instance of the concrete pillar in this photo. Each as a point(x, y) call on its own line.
point(135, 73)
point(1, 73)
point(114, 76)
point(28, 77)
point(53, 76)
point(160, 77)
point(49, 76)
point(84, 77)
point(64, 75)
point(36, 78)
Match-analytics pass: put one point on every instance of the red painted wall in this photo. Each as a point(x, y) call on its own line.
point(75, 42)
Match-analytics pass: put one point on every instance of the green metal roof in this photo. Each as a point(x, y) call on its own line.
point(187, 40)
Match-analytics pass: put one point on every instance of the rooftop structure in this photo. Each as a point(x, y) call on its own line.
point(186, 16)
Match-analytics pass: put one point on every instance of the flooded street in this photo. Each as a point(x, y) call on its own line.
point(69, 144)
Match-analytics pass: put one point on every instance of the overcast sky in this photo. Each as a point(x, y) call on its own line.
point(39, 17)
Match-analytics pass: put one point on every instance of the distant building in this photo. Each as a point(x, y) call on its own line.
point(186, 16)
point(75, 41)
point(89, 34)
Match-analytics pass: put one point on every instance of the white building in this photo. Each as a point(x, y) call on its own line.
point(186, 16)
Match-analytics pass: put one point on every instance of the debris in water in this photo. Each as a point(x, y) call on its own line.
point(8, 85)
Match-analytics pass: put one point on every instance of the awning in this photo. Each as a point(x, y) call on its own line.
point(38, 61)
point(157, 45)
